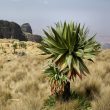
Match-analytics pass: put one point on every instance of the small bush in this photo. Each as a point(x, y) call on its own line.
point(50, 102)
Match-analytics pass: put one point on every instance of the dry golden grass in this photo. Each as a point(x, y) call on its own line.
point(103, 103)
point(24, 87)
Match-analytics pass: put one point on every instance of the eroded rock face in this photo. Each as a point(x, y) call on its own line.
point(26, 28)
point(33, 38)
point(11, 30)
point(14, 31)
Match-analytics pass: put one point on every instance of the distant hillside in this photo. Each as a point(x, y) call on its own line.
point(106, 46)
point(24, 87)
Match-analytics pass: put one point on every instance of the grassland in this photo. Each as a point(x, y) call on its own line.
point(24, 87)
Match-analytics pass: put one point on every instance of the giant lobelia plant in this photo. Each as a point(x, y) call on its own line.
point(68, 45)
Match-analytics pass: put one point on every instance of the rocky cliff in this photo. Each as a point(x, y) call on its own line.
point(11, 30)
point(26, 27)
point(27, 30)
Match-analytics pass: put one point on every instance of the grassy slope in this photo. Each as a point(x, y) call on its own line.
point(23, 87)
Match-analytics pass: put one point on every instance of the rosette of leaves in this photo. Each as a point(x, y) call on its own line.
point(68, 45)
point(57, 78)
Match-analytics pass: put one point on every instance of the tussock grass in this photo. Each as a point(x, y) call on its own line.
point(24, 87)
point(22, 84)
point(89, 87)
point(103, 103)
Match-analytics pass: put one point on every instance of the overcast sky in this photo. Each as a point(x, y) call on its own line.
point(95, 14)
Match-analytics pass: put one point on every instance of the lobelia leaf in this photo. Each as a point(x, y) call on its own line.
point(69, 61)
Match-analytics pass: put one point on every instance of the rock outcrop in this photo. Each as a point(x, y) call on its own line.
point(11, 30)
point(26, 28)
point(33, 38)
